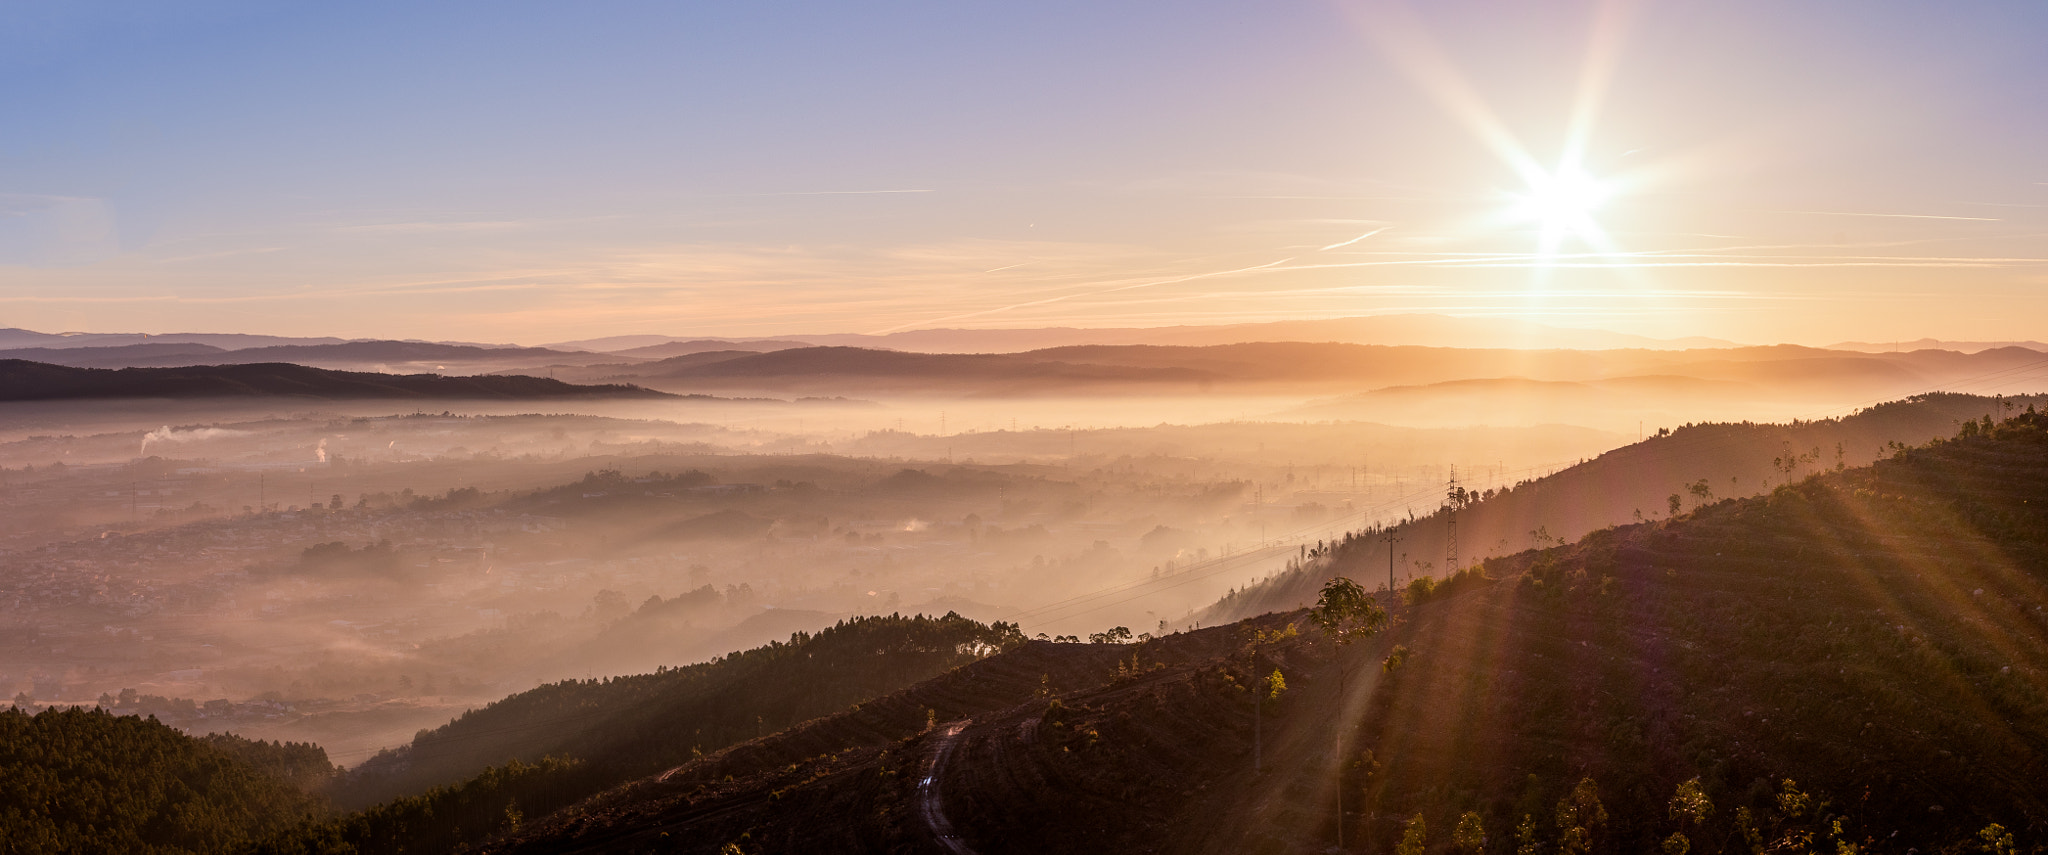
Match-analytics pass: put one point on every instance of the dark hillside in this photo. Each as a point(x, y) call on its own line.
point(121, 356)
point(1875, 635)
point(36, 381)
point(556, 745)
point(1629, 484)
point(74, 780)
point(635, 725)
point(848, 782)
point(1851, 663)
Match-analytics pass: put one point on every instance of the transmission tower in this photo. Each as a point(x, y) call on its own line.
point(1452, 498)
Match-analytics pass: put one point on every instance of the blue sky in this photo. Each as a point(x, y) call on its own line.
point(538, 172)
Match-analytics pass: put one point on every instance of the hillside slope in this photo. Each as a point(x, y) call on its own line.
point(1854, 660)
point(87, 781)
point(1696, 463)
point(1292, 367)
point(637, 724)
point(35, 381)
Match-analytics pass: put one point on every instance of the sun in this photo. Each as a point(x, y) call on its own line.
point(1562, 203)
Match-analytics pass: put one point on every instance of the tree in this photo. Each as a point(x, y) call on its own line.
point(1415, 840)
point(1674, 504)
point(1113, 635)
point(1526, 842)
point(1470, 835)
point(1690, 807)
point(1996, 840)
point(1345, 612)
point(1580, 818)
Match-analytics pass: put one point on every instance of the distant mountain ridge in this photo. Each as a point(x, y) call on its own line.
point(1410, 329)
point(382, 356)
point(16, 338)
point(21, 380)
point(1781, 371)
point(1935, 344)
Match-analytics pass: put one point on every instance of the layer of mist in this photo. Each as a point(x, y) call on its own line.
point(348, 572)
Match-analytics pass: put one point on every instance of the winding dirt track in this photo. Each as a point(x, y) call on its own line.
point(930, 805)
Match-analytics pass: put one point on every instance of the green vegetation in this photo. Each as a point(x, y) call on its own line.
point(1872, 633)
point(1705, 462)
point(532, 753)
point(1470, 836)
point(1346, 613)
point(86, 781)
point(1847, 665)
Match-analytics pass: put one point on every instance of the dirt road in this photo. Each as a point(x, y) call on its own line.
point(929, 803)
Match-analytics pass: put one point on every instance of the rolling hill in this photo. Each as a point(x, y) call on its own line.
point(88, 781)
point(1696, 463)
point(34, 381)
point(1782, 374)
point(381, 356)
point(1851, 661)
point(1402, 329)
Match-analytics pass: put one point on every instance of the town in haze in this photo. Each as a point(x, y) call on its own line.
point(1361, 426)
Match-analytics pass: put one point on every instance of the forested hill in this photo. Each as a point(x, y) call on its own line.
point(1693, 465)
point(74, 780)
point(36, 381)
point(1851, 664)
point(634, 725)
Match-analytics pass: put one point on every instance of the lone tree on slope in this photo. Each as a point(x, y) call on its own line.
point(1346, 613)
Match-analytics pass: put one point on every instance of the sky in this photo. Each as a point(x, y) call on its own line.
point(533, 172)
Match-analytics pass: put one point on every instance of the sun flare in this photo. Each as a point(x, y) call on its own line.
point(1562, 203)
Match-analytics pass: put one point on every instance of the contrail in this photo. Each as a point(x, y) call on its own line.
point(1342, 244)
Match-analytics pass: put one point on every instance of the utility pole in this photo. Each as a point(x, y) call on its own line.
point(1258, 721)
point(1390, 540)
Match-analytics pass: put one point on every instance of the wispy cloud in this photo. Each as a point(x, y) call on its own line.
point(1065, 297)
point(215, 256)
point(429, 227)
point(1895, 216)
point(817, 193)
point(1342, 244)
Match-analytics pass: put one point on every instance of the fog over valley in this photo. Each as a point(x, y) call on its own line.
point(1592, 427)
